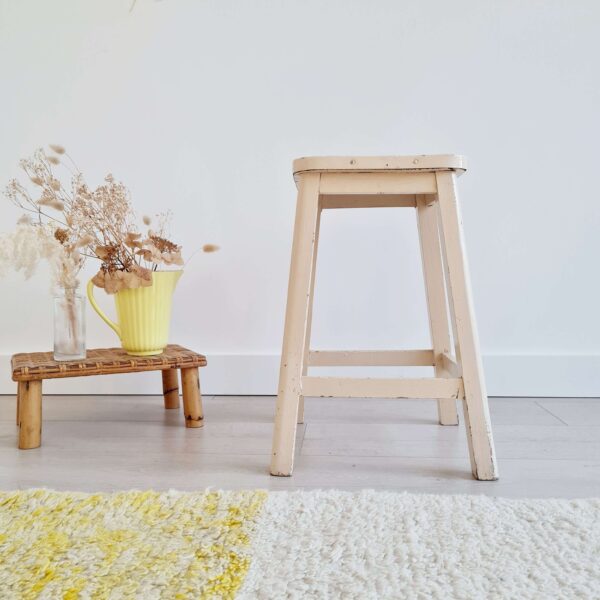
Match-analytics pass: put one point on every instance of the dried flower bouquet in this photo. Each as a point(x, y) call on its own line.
point(67, 223)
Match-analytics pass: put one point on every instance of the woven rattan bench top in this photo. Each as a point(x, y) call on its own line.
point(101, 361)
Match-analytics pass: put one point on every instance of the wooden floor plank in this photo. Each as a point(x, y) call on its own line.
point(536, 442)
point(574, 411)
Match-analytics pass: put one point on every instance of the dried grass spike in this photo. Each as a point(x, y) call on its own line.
point(53, 160)
point(46, 199)
point(210, 248)
point(56, 148)
point(85, 240)
point(56, 205)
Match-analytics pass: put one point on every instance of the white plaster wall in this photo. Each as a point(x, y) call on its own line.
point(201, 105)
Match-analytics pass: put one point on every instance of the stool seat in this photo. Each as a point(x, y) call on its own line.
point(422, 162)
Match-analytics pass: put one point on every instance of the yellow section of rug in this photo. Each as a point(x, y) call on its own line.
point(125, 545)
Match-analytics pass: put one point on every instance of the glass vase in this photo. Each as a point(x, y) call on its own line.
point(69, 325)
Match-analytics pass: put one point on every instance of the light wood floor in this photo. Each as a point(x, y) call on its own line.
point(546, 447)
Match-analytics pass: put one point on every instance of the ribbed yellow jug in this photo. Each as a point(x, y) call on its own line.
point(143, 314)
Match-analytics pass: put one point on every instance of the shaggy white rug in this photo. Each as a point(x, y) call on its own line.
point(332, 544)
point(258, 545)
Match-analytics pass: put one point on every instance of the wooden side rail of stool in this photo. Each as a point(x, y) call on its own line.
point(29, 370)
point(427, 184)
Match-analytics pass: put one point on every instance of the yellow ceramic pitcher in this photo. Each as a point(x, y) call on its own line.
point(143, 314)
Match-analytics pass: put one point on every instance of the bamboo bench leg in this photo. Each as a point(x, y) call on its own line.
point(297, 314)
point(192, 400)
point(475, 404)
point(30, 414)
point(435, 292)
point(20, 386)
point(170, 383)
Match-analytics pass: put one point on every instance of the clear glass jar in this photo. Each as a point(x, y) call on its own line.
point(69, 325)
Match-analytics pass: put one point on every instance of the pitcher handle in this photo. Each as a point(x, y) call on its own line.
point(90, 295)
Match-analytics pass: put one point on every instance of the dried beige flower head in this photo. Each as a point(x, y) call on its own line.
point(62, 235)
point(210, 248)
point(147, 220)
point(106, 253)
point(158, 250)
point(114, 281)
point(133, 240)
point(164, 245)
point(53, 160)
point(56, 148)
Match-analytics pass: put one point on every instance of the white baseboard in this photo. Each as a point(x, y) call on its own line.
point(241, 374)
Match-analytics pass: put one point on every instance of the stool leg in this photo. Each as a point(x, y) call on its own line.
point(30, 414)
point(433, 274)
point(475, 404)
point(170, 383)
point(309, 318)
point(293, 355)
point(192, 400)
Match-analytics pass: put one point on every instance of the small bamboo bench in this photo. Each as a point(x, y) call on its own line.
point(29, 370)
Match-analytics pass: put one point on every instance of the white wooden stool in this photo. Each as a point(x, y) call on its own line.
point(427, 183)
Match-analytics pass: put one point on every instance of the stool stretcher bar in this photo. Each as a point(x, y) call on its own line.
point(371, 358)
point(369, 201)
point(352, 387)
point(377, 183)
